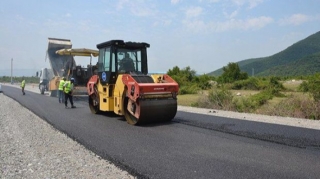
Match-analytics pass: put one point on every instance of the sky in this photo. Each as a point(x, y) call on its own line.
point(204, 35)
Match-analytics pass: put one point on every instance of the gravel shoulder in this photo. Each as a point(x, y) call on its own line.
point(31, 148)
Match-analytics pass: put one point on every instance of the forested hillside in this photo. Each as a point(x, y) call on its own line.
point(300, 58)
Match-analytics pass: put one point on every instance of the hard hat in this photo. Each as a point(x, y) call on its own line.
point(64, 78)
point(72, 79)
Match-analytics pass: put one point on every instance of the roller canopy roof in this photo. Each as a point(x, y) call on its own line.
point(121, 43)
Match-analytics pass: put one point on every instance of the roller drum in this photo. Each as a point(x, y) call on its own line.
point(153, 110)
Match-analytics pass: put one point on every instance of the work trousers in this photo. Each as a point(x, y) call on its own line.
point(22, 88)
point(61, 96)
point(66, 97)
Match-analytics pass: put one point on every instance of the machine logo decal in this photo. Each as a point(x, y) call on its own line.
point(104, 76)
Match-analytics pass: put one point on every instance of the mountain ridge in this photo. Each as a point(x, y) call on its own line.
point(269, 66)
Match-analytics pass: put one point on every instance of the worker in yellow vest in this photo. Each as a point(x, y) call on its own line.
point(68, 89)
point(61, 93)
point(23, 84)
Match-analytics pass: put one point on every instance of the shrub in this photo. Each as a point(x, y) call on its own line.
point(204, 82)
point(275, 84)
point(312, 86)
point(294, 106)
point(245, 104)
point(303, 87)
point(274, 87)
point(189, 89)
point(262, 97)
point(247, 84)
point(221, 99)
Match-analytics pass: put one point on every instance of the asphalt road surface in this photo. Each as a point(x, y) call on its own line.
point(191, 146)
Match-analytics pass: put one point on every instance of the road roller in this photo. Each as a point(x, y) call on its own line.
point(122, 84)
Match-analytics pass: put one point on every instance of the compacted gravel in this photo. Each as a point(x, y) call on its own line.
point(31, 148)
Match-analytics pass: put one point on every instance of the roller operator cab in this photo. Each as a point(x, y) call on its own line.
point(122, 85)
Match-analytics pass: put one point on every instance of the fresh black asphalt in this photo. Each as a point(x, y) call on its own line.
point(191, 146)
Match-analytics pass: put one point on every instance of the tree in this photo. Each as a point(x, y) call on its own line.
point(232, 73)
point(182, 76)
point(185, 78)
point(203, 81)
point(175, 71)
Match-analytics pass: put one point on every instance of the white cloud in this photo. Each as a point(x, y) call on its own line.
point(121, 4)
point(196, 26)
point(251, 3)
point(175, 1)
point(142, 11)
point(295, 19)
point(193, 12)
point(166, 22)
point(84, 25)
point(232, 15)
point(257, 23)
point(209, 1)
point(232, 24)
point(254, 3)
point(20, 18)
point(53, 24)
point(137, 8)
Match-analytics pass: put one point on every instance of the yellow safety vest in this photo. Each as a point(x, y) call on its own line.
point(23, 83)
point(62, 82)
point(67, 87)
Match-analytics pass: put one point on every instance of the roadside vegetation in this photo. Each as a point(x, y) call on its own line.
point(7, 79)
point(236, 91)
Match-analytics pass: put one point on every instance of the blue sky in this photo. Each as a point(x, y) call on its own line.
point(203, 34)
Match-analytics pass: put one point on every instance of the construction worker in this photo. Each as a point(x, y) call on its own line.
point(61, 93)
point(126, 64)
point(68, 89)
point(23, 84)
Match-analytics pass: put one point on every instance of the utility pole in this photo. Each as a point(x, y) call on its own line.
point(11, 69)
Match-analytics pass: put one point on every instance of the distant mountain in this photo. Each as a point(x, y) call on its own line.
point(301, 58)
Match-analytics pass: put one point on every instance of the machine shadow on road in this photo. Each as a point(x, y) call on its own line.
point(157, 124)
point(111, 114)
point(122, 118)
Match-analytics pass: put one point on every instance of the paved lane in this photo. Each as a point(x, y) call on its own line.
point(192, 146)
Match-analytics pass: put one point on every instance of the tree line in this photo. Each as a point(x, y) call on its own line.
point(7, 79)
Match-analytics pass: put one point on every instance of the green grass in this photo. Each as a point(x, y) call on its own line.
point(188, 99)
